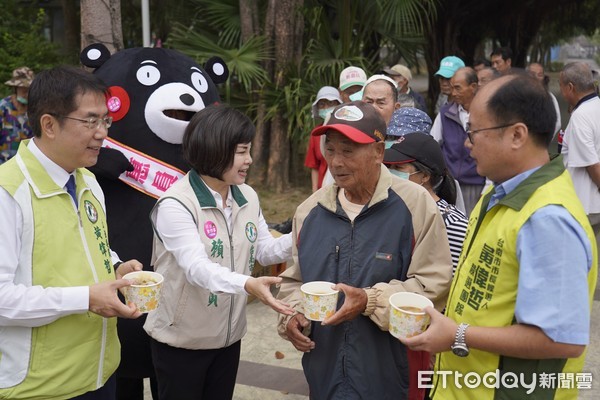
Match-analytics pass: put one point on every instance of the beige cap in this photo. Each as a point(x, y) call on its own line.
point(399, 69)
point(352, 76)
point(21, 77)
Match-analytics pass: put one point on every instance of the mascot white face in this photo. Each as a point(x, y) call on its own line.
point(169, 107)
point(153, 94)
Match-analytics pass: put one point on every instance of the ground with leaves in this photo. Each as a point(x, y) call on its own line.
point(278, 207)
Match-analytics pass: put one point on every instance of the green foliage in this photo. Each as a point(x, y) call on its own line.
point(222, 17)
point(338, 33)
point(556, 66)
point(243, 60)
point(22, 42)
point(403, 25)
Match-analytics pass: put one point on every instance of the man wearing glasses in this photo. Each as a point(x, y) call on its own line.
point(57, 272)
point(520, 301)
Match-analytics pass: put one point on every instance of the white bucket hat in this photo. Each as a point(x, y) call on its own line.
point(326, 92)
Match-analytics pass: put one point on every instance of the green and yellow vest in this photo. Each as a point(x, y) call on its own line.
point(484, 290)
point(60, 247)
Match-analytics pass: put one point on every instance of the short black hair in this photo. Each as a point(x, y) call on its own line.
point(484, 61)
point(494, 71)
point(470, 75)
point(524, 99)
point(212, 136)
point(54, 91)
point(504, 52)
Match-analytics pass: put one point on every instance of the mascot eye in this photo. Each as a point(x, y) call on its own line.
point(199, 82)
point(148, 75)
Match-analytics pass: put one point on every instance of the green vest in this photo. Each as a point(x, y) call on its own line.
point(77, 353)
point(484, 290)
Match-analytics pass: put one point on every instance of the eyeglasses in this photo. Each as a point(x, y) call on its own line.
point(92, 122)
point(471, 133)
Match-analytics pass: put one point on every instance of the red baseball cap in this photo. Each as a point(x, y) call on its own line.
point(358, 121)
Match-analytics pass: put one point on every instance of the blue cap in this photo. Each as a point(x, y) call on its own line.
point(408, 120)
point(449, 65)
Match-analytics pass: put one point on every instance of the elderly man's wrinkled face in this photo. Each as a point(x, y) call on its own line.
point(401, 81)
point(462, 91)
point(381, 95)
point(485, 76)
point(536, 71)
point(355, 167)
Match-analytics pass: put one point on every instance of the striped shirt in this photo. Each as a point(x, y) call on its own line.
point(456, 228)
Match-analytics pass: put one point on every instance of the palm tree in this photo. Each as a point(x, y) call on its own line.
point(277, 69)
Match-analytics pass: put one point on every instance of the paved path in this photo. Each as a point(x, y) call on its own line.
point(262, 375)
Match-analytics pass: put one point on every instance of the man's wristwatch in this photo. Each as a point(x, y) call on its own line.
point(459, 347)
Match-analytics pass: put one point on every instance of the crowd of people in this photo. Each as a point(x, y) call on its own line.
point(484, 157)
point(461, 202)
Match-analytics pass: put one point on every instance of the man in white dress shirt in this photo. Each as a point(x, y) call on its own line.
point(57, 272)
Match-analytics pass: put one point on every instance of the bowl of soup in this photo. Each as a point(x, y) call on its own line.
point(144, 290)
point(407, 318)
point(319, 300)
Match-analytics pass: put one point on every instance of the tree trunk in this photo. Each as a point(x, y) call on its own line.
point(250, 28)
point(442, 42)
point(101, 23)
point(260, 147)
point(278, 167)
point(71, 28)
point(248, 19)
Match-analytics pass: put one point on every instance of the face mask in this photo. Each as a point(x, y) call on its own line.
point(389, 143)
point(324, 113)
point(400, 174)
point(22, 100)
point(356, 96)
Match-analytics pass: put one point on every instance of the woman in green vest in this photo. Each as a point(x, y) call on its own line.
point(209, 230)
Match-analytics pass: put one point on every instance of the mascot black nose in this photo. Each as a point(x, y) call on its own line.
point(187, 99)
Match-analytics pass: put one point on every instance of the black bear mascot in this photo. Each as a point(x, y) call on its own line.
point(153, 94)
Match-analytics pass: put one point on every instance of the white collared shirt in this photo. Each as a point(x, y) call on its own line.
point(180, 237)
point(32, 306)
point(436, 129)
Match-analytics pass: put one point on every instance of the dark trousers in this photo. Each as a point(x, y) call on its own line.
point(184, 374)
point(133, 388)
point(106, 392)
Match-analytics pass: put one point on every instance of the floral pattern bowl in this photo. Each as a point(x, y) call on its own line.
point(407, 318)
point(144, 292)
point(319, 300)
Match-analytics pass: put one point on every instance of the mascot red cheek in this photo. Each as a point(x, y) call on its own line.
point(153, 94)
